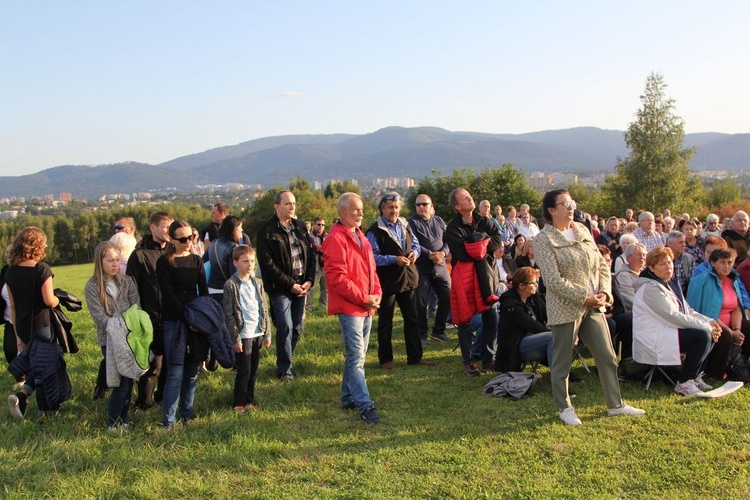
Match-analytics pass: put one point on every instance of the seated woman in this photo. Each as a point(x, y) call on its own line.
point(522, 334)
point(664, 324)
point(623, 288)
point(517, 247)
point(716, 293)
point(625, 241)
point(528, 259)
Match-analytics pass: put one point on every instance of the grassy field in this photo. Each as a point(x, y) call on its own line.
point(440, 438)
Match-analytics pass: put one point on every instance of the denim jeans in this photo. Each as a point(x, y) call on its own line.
point(288, 311)
point(355, 331)
point(483, 346)
point(181, 382)
point(318, 284)
point(119, 399)
point(536, 347)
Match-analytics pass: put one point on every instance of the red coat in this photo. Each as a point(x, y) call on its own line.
point(466, 295)
point(350, 272)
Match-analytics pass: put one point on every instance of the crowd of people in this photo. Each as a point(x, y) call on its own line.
point(179, 300)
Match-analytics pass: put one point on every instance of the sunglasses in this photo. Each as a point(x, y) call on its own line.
point(570, 204)
point(422, 204)
point(321, 225)
point(183, 240)
point(119, 227)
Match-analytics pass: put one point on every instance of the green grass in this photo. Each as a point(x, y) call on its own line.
point(439, 437)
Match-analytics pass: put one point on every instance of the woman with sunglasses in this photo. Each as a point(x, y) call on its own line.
point(578, 289)
point(523, 335)
point(181, 279)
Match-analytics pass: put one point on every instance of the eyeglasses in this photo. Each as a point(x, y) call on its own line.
point(422, 203)
point(569, 204)
point(182, 240)
point(119, 227)
point(531, 283)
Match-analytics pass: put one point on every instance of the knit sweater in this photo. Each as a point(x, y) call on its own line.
point(569, 268)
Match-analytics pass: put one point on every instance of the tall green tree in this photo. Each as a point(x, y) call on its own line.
point(656, 175)
point(724, 192)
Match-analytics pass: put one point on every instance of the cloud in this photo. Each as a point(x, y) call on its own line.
point(288, 93)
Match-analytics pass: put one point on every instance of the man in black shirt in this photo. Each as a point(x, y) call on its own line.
point(142, 268)
point(429, 230)
point(287, 265)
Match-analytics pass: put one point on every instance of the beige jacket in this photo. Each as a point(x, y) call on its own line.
point(569, 268)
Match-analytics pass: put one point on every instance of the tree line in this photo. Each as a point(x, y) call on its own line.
point(655, 176)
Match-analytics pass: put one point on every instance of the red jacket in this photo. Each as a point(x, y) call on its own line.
point(466, 294)
point(350, 272)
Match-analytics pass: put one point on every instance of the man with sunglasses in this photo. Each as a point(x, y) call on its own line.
point(433, 273)
point(317, 237)
point(125, 225)
point(396, 250)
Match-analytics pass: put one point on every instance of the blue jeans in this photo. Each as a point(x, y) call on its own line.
point(288, 311)
point(119, 400)
point(478, 346)
point(181, 382)
point(536, 346)
point(355, 331)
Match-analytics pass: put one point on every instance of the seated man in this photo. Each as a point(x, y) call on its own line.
point(624, 290)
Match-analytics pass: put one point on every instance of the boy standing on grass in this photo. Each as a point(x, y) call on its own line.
point(246, 315)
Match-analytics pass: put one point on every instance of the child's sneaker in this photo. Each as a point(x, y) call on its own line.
point(17, 405)
point(687, 388)
point(701, 384)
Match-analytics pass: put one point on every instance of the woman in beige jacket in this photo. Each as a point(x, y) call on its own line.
point(579, 287)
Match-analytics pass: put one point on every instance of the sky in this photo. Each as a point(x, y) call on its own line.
point(93, 82)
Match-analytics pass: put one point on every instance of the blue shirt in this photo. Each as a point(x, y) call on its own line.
point(250, 304)
point(399, 233)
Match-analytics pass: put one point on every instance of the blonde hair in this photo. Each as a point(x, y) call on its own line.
point(124, 242)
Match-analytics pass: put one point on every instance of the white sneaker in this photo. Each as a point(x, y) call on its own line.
point(568, 415)
point(625, 409)
point(701, 384)
point(687, 388)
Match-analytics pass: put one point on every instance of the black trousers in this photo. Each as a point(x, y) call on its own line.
point(438, 279)
point(247, 371)
point(407, 303)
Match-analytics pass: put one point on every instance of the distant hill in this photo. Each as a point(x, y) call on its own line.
point(388, 152)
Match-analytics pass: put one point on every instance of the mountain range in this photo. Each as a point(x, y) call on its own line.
point(388, 152)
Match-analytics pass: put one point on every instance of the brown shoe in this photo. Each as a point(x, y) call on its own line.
point(424, 362)
point(388, 365)
point(471, 370)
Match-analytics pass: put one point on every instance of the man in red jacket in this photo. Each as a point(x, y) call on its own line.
point(473, 239)
point(354, 295)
